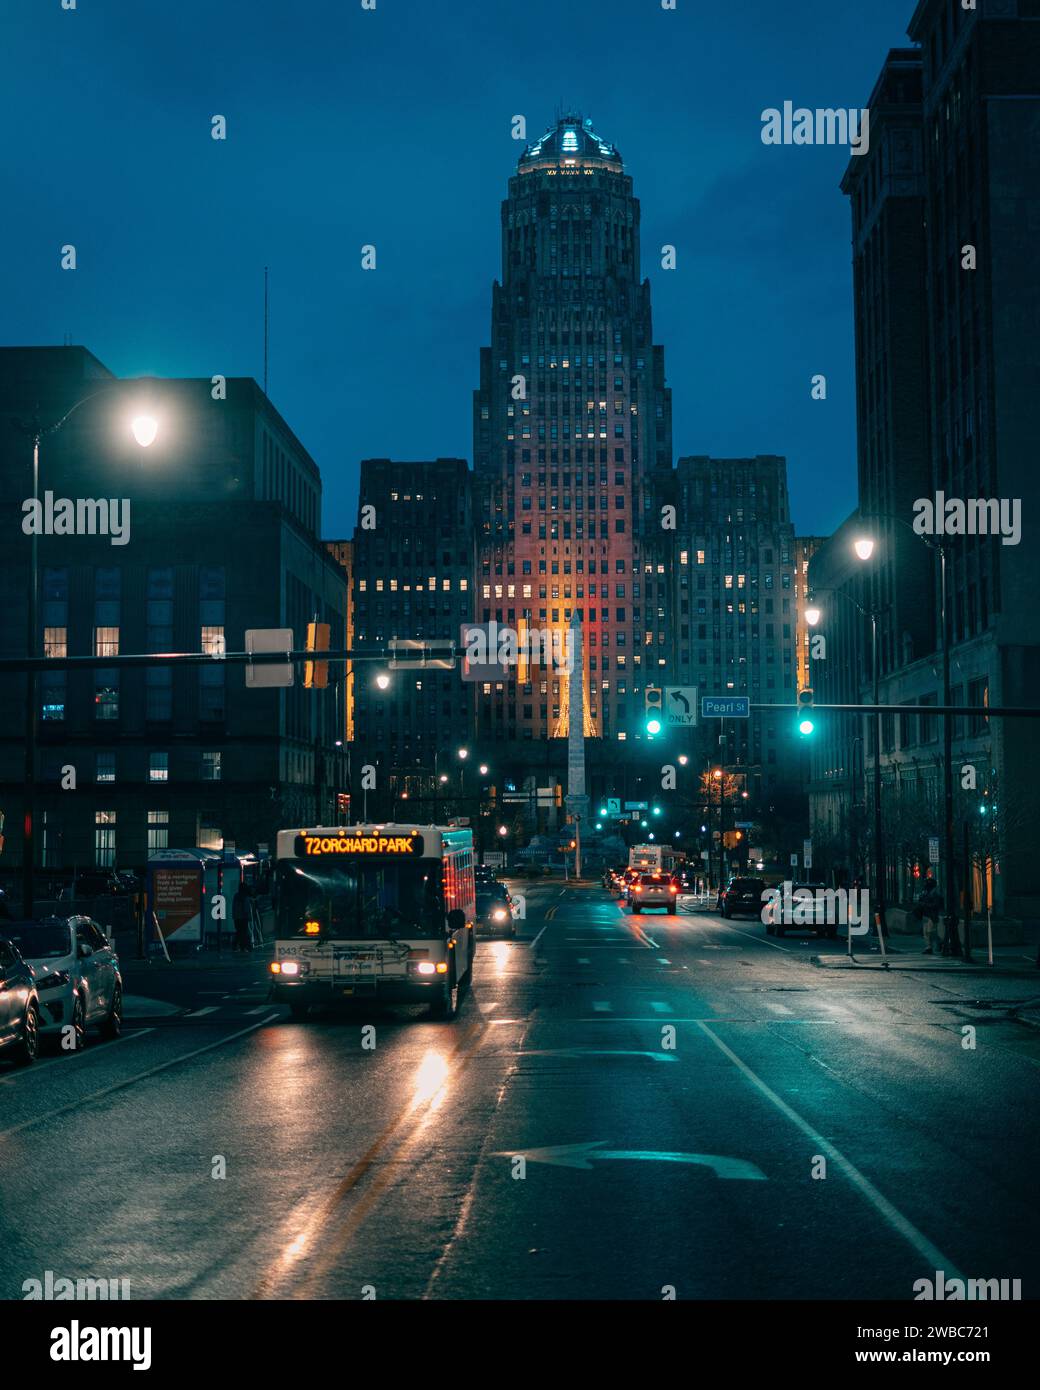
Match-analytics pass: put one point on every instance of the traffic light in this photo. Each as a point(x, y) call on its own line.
point(654, 707)
point(806, 726)
point(316, 673)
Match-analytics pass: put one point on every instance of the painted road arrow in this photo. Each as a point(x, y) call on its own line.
point(581, 1156)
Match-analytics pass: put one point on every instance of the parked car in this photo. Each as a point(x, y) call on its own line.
point(653, 890)
point(742, 895)
point(78, 981)
point(495, 910)
point(812, 912)
point(19, 1005)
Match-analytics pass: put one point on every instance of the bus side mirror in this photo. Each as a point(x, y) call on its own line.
point(456, 920)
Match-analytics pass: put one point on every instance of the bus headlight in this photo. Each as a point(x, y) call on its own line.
point(425, 967)
point(285, 967)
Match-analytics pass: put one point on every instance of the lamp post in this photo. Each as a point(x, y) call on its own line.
point(951, 942)
point(864, 549)
point(144, 427)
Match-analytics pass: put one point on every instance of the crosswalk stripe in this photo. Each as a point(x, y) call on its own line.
point(197, 1013)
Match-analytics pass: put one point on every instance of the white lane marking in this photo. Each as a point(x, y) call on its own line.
point(141, 1076)
point(623, 960)
point(660, 1007)
point(538, 938)
point(661, 961)
point(776, 1006)
point(197, 1013)
point(600, 1006)
point(584, 960)
point(37, 1067)
point(932, 1256)
point(260, 1010)
point(761, 940)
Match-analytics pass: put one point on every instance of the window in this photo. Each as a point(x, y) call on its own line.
point(55, 641)
point(105, 767)
point(52, 695)
point(158, 767)
point(158, 830)
point(211, 767)
point(212, 641)
point(106, 695)
point(104, 839)
point(158, 694)
point(106, 641)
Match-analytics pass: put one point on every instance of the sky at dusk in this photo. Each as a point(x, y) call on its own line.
point(392, 127)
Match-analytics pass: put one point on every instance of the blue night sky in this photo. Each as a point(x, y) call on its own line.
point(393, 127)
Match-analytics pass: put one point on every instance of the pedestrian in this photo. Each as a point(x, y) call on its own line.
point(240, 918)
point(927, 910)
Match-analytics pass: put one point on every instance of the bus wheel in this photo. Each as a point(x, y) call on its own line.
point(446, 1005)
point(300, 1012)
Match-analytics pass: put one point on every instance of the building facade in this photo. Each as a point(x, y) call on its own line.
point(223, 514)
point(572, 444)
point(413, 569)
point(946, 285)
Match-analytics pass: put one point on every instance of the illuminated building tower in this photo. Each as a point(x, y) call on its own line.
point(572, 443)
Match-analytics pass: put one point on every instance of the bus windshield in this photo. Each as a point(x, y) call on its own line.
point(360, 900)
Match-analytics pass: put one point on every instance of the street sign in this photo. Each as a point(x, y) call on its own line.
point(613, 805)
point(933, 849)
point(412, 654)
point(725, 707)
point(794, 861)
point(744, 825)
point(637, 805)
point(680, 706)
point(269, 639)
point(807, 853)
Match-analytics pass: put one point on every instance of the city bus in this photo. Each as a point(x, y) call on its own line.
point(373, 912)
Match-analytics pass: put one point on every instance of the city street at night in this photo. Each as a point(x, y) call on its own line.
point(813, 1132)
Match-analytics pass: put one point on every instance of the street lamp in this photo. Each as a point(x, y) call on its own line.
point(951, 944)
point(144, 429)
point(383, 680)
point(864, 548)
point(483, 769)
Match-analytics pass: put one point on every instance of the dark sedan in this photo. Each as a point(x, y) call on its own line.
point(19, 1007)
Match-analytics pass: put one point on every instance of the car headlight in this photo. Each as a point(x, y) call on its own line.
point(499, 915)
point(55, 980)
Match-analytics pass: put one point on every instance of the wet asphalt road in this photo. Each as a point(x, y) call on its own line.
point(624, 1105)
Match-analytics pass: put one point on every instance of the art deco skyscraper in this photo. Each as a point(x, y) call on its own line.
point(572, 442)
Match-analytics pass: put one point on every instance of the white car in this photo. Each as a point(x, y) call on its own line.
point(77, 975)
point(653, 890)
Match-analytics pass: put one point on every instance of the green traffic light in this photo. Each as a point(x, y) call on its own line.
point(653, 726)
point(806, 727)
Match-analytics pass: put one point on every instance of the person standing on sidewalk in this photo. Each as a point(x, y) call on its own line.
point(928, 909)
point(240, 918)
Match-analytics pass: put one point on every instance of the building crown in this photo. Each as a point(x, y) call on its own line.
point(571, 140)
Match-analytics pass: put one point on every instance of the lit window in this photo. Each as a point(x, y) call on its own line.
point(213, 641)
point(106, 641)
point(211, 767)
point(158, 767)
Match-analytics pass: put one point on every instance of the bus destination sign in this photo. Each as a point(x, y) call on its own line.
point(386, 846)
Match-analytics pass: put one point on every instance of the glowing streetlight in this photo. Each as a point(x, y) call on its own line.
point(503, 830)
point(813, 615)
point(443, 778)
point(683, 759)
point(145, 428)
point(483, 769)
point(382, 680)
point(463, 753)
point(864, 547)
